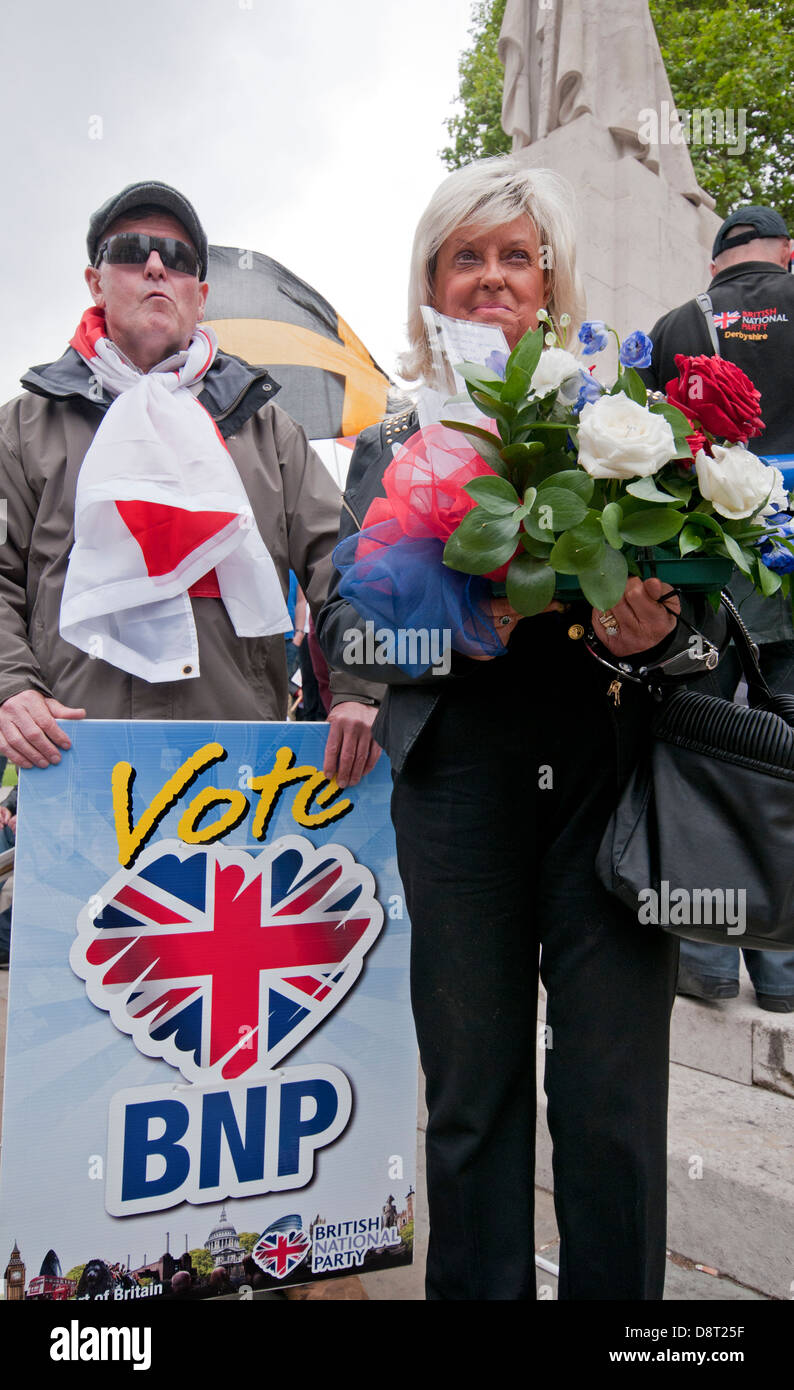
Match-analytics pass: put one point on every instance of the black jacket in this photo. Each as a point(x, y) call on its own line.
point(754, 317)
point(754, 307)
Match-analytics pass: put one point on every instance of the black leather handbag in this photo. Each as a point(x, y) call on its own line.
point(701, 843)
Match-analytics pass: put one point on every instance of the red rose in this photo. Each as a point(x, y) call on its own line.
point(720, 396)
point(697, 441)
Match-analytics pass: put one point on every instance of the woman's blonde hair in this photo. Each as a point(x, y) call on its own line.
point(488, 193)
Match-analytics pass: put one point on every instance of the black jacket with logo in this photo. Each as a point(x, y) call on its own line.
point(754, 317)
point(753, 304)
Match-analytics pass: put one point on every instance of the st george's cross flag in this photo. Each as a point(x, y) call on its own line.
point(263, 313)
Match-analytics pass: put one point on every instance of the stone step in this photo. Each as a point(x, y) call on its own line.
point(731, 1177)
point(736, 1040)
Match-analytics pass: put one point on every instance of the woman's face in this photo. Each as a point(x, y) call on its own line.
point(492, 275)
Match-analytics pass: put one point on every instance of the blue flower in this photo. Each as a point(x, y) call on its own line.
point(593, 336)
point(497, 361)
point(636, 350)
point(589, 390)
point(777, 557)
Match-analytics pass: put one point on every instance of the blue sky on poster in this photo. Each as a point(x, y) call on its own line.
point(304, 130)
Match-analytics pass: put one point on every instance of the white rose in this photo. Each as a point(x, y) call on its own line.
point(555, 367)
point(778, 498)
point(737, 482)
point(618, 438)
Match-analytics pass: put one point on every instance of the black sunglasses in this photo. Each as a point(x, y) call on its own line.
point(135, 248)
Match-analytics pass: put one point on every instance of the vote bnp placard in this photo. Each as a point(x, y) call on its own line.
point(211, 1064)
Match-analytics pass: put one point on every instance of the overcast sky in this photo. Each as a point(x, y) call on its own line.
point(304, 129)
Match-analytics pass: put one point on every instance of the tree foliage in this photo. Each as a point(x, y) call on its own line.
point(248, 1240)
point(477, 130)
point(733, 56)
point(203, 1263)
point(736, 56)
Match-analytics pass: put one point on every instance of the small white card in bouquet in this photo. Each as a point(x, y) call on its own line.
point(453, 341)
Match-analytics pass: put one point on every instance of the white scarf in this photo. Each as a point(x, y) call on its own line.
point(125, 599)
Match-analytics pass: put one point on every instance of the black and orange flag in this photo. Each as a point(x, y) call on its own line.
point(262, 312)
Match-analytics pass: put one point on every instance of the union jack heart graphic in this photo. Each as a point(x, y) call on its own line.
point(220, 961)
point(282, 1247)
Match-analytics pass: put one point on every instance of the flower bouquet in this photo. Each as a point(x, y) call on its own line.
point(588, 485)
point(565, 486)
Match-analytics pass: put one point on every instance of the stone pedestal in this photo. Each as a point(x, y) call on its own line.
point(643, 248)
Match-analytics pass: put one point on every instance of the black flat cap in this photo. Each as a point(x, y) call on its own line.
point(151, 194)
point(764, 222)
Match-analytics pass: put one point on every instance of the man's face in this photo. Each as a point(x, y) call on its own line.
point(150, 311)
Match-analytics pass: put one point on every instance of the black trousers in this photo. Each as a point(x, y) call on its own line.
point(498, 816)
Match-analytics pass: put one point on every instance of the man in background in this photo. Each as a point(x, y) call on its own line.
point(747, 317)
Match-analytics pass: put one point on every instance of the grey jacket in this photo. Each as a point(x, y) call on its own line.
point(44, 436)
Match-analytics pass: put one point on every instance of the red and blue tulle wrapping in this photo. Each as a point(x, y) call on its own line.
point(393, 572)
point(425, 482)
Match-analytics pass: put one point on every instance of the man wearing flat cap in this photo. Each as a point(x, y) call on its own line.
point(747, 317)
point(156, 501)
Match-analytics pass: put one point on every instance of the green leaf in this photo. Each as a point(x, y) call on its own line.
point(530, 585)
point(481, 543)
point(486, 444)
point(574, 479)
point(564, 508)
point(521, 453)
point(689, 539)
point(675, 418)
point(476, 375)
point(651, 527)
point(704, 519)
point(646, 489)
point(496, 495)
point(679, 487)
point(633, 386)
point(476, 431)
point(539, 525)
point(489, 405)
point(572, 553)
point(604, 582)
point(611, 521)
point(516, 384)
point(540, 549)
point(736, 553)
point(526, 353)
point(770, 581)
point(527, 415)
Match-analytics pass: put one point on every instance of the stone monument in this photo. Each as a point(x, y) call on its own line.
point(586, 94)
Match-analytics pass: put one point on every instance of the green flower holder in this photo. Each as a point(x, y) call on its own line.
point(694, 574)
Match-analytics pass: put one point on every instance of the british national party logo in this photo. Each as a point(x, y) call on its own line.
point(282, 1247)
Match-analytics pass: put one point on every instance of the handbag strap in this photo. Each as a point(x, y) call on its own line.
point(707, 309)
point(758, 692)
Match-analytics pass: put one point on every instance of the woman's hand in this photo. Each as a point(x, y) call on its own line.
point(639, 621)
point(501, 609)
